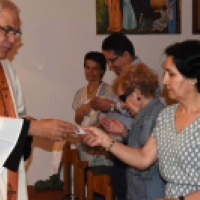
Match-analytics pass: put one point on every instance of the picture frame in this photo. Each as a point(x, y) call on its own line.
point(196, 16)
point(137, 16)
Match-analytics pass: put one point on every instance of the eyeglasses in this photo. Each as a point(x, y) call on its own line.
point(124, 96)
point(10, 31)
point(112, 60)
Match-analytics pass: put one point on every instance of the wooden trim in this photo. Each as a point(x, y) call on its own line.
point(195, 18)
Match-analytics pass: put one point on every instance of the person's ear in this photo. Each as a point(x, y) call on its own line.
point(138, 94)
point(126, 54)
point(193, 81)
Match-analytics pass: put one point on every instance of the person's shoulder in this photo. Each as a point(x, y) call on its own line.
point(8, 68)
point(136, 60)
point(159, 103)
point(155, 108)
point(105, 84)
point(81, 90)
point(7, 64)
point(169, 109)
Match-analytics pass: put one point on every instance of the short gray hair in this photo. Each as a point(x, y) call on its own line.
point(9, 5)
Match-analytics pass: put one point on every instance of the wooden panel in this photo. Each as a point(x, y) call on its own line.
point(44, 195)
point(73, 139)
point(196, 16)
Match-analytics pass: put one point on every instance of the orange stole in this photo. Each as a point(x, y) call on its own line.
point(7, 110)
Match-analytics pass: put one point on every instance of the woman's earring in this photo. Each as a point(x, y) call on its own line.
point(194, 82)
point(139, 99)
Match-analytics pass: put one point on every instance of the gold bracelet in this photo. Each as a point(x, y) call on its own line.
point(110, 145)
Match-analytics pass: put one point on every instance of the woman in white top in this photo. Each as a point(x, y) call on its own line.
point(85, 114)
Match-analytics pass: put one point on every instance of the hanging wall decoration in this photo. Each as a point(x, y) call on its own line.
point(138, 16)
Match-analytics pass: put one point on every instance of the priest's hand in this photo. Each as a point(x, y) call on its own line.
point(51, 129)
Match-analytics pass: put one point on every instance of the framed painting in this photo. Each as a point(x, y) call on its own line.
point(196, 16)
point(138, 16)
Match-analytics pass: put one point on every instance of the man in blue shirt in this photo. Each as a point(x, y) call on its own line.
point(119, 52)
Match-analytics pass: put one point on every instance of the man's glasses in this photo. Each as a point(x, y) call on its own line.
point(124, 96)
point(10, 31)
point(112, 60)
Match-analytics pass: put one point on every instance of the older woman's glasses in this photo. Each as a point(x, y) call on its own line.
point(10, 31)
point(124, 96)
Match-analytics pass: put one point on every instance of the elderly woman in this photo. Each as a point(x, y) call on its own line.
point(136, 87)
point(175, 141)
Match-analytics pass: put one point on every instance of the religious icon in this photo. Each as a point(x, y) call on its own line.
point(138, 17)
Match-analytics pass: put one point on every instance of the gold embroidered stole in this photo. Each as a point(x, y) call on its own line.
point(7, 110)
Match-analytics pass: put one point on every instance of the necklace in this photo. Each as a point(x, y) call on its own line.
point(93, 89)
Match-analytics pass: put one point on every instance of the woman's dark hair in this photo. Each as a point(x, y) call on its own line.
point(186, 57)
point(98, 58)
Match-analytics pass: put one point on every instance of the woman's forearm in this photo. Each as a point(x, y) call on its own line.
point(137, 158)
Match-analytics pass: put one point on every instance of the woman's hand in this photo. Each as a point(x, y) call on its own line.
point(114, 126)
point(85, 109)
point(101, 104)
point(95, 137)
point(82, 112)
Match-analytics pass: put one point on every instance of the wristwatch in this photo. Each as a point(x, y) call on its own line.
point(112, 107)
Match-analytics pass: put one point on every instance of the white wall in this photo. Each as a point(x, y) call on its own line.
point(56, 36)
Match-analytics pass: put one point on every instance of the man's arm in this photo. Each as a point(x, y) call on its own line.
point(12, 163)
point(47, 129)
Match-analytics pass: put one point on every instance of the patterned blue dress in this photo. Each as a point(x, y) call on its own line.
point(178, 154)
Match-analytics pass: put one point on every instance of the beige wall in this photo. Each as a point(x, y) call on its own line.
point(56, 35)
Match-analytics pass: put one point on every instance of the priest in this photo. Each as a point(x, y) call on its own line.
point(16, 129)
